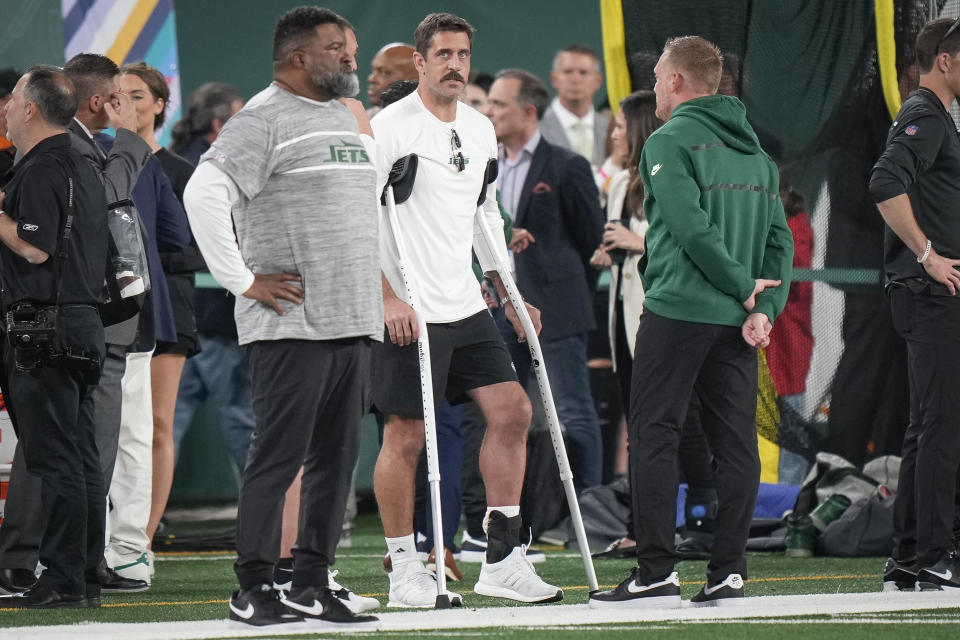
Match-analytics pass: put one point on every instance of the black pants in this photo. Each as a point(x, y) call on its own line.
point(713, 360)
point(57, 444)
point(23, 520)
point(868, 403)
point(308, 400)
point(926, 494)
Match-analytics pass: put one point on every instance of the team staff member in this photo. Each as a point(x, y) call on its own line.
point(291, 174)
point(54, 250)
point(100, 105)
point(718, 238)
point(916, 185)
point(454, 143)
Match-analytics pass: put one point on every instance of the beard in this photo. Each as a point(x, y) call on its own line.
point(341, 84)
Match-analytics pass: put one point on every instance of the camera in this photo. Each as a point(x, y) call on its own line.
point(33, 334)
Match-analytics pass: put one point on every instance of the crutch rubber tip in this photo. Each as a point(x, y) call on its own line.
point(443, 602)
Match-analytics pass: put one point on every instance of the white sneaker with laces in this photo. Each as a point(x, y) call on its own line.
point(514, 578)
point(354, 602)
point(411, 585)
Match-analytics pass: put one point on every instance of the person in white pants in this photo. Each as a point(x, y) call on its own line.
point(131, 489)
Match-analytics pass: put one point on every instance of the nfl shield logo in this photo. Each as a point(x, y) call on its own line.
point(912, 129)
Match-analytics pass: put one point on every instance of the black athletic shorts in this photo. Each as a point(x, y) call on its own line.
point(466, 354)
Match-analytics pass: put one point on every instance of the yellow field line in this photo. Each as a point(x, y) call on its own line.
point(127, 605)
point(571, 588)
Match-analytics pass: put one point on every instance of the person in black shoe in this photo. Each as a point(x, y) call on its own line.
point(284, 209)
point(54, 251)
point(260, 605)
point(900, 576)
point(321, 603)
point(637, 591)
point(112, 582)
point(717, 269)
point(16, 581)
point(916, 185)
point(727, 592)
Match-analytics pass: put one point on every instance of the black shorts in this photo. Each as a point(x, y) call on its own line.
point(181, 288)
point(466, 354)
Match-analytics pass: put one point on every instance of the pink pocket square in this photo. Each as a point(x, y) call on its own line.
point(542, 187)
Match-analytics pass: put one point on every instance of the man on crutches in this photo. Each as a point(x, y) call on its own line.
point(469, 360)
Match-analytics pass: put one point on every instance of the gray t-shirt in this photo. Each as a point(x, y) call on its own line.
point(308, 206)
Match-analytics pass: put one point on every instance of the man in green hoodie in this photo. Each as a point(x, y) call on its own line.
point(716, 274)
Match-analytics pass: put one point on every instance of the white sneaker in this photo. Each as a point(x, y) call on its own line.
point(152, 559)
point(354, 602)
point(514, 578)
point(411, 585)
point(135, 565)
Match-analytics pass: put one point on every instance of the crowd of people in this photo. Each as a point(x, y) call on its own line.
point(280, 199)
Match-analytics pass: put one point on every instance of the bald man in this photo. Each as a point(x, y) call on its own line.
point(392, 63)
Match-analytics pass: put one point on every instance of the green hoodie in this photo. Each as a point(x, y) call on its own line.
point(716, 220)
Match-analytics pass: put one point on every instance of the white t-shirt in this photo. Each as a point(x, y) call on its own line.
point(437, 221)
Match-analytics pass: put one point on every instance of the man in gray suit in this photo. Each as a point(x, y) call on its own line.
point(101, 105)
point(571, 121)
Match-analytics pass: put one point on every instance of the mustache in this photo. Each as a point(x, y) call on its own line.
point(453, 75)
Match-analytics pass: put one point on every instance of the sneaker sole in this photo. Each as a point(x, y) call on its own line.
point(137, 590)
point(894, 587)
point(502, 592)
point(722, 602)
point(243, 624)
point(652, 602)
point(798, 553)
point(456, 600)
point(927, 587)
point(481, 556)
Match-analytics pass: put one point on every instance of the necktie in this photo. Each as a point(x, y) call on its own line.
point(583, 140)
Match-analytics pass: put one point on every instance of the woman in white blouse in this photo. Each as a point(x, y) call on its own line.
point(623, 237)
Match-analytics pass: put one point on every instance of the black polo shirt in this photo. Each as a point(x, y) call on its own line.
point(922, 159)
point(37, 199)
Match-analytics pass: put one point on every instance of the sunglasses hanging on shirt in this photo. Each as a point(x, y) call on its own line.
point(456, 158)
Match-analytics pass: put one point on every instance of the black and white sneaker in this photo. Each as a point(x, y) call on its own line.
point(260, 606)
point(474, 549)
point(726, 593)
point(945, 575)
point(320, 603)
point(632, 593)
point(899, 576)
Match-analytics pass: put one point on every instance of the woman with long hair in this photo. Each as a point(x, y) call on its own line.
point(623, 237)
point(148, 90)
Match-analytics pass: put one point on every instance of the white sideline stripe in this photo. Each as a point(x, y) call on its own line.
point(314, 134)
point(332, 165)
point(759, 610)
point(341, 555)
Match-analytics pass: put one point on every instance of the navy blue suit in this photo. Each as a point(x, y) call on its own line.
point(560, 206)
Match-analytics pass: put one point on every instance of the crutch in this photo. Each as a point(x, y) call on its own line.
point(398, 189)
point(536, 359)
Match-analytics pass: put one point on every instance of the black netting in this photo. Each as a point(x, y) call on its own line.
point(808, 74)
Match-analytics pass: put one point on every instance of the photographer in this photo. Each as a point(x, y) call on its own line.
point(53, 250)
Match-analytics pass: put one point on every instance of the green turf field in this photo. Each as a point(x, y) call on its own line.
point(196, 587)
